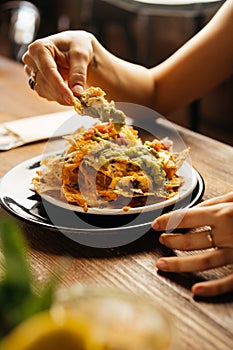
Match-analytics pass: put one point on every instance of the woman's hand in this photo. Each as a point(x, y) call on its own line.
point(60, 64)
point(217, 214)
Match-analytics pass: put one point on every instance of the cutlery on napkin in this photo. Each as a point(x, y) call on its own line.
point(21, 131)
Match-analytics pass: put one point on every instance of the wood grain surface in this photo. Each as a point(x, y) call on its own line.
point(201, 324)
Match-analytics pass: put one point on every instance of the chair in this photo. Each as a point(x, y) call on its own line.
point(23, 19)
point(143, 11)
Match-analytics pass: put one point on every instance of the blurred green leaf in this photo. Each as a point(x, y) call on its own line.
point(14, 249)
point(17, 299)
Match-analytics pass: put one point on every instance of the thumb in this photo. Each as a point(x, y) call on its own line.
point(78, 75)
point(77, 89)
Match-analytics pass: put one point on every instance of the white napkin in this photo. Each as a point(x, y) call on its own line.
point(18, 132)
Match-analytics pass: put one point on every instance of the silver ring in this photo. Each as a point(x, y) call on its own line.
point(210, 239)
point(32, 80)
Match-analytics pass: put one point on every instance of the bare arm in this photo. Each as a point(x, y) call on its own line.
point(201, 64)
point(76, 57)
point(65, 63)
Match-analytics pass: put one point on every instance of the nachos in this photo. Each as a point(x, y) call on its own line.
point(92, 102)
point(104, 167)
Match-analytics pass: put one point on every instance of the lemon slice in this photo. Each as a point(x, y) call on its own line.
point(49, 331)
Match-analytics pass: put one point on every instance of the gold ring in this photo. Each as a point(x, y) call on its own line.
point(210, 239)
point(32, 80)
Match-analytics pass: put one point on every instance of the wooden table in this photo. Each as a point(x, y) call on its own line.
point(202, 323)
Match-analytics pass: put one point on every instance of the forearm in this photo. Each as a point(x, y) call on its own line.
point(66, 62)
point(201, 64)
point(197, 67)
point(122, 81)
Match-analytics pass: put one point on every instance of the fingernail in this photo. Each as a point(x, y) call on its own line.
point(161, 240)
point(162, 265)
point(199, 290)
point(77, 89)
point(68, 99)
point(155, 225)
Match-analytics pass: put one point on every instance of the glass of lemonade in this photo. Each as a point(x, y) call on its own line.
point(119, 320)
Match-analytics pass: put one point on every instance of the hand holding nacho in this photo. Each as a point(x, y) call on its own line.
point(110, 167)
point(93, 103)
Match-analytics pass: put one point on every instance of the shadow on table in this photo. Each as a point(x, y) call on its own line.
point(187, 280)
point(56, 243)
point(53, 242)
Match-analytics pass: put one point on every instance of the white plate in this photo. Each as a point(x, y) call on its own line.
point(91, 230)
point(25, 171)
point(189, 182)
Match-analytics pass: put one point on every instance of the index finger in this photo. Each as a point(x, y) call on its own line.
point(228, 197)
point(184, 218)
point(46, 64)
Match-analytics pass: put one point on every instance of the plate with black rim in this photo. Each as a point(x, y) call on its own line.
point(17, 197)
